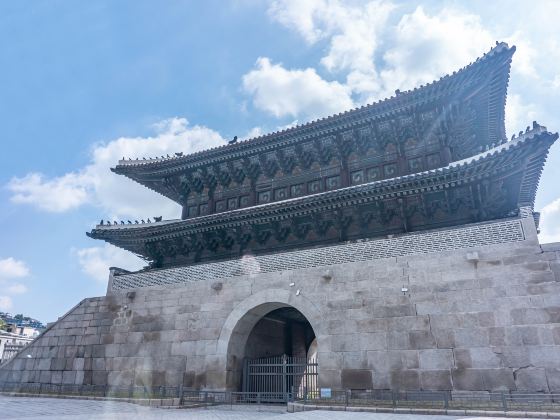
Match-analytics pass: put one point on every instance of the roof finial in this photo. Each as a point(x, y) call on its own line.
point(233, 141)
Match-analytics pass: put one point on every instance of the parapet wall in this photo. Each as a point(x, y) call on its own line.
point(475, 235)
point(475, 316)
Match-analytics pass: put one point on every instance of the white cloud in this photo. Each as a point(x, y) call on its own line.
point(301, 16)
point(425, 47)
point(525, 55)
point(5, 303)
point(16, 289)
point(518, 114)
point(119, 197)
point(289, 125)
point(282, 92)
point(556, 82)
point(549, 223)
point(11, 268)
point(259, 131)
point(536, 36)
point(374, 56)
point(253, 132)
point(54, 195)
point(95, 261)
point(352, 30)
point(354, 41)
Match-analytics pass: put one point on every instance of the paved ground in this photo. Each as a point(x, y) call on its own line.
point(53, 408)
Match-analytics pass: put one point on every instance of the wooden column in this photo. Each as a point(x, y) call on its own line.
point(344, 173)
point(253, 193)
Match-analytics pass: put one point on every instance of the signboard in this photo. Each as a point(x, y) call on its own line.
point(325, 392)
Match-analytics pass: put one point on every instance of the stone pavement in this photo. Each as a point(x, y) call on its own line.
point(14, 408)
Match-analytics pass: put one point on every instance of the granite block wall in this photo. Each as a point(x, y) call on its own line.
point(475, 318)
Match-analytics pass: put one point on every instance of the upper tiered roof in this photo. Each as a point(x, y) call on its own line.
point(432, 157)
point(463, 112)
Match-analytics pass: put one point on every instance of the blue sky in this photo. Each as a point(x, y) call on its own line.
point(84, 83)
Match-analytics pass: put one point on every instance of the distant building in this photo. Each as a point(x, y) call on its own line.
point(25, 331)
point(21, 321)
point(11, 343)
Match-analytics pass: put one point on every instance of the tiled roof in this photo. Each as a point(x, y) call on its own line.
point(402, 101)
point(470, 167)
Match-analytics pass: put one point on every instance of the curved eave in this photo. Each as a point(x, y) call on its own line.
point(532, 146)
point(395, 105)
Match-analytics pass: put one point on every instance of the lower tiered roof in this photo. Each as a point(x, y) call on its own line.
point(490, 185)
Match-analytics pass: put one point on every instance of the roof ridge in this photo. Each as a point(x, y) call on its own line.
point(399, 96)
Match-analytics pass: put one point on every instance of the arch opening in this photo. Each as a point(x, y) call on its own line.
point(273, 348)
point(281, 332)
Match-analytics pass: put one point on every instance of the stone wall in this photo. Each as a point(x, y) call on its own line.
point(483, 317)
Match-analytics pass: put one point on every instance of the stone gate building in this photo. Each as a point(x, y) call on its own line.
point(394, 244)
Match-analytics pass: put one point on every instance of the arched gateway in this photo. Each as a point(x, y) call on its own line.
point(270, 341)
point(399, 235)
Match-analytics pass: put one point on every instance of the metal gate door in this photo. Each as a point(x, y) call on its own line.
point(280, 375)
